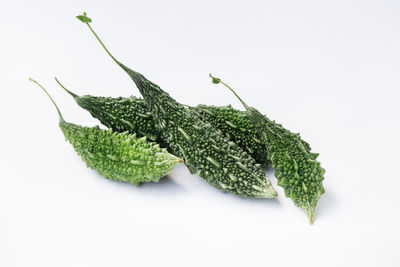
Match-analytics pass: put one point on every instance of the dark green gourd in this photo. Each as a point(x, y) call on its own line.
point(296, 169)
point(131, 114)
point(118, 156)
point(236, 126)
point(239, 128)
point(205, 149)
point(120, 114)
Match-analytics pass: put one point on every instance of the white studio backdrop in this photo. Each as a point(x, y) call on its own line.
point(327, 69)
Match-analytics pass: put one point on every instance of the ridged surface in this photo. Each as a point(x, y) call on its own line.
point(119, 156)
point(132, 114)
point(236, 126)
point(205, 149)
point(297, 170)
point(121, 114)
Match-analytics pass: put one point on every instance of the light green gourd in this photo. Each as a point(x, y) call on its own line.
point(117, 156)
point(296, 169)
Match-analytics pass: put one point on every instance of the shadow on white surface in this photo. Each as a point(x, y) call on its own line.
point(328, 204)
point(166, 185)
point(265, 202)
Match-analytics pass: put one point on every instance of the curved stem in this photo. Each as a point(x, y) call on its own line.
point(63, 87)
point(58, 110)
point(102, 44)
point(218, 80)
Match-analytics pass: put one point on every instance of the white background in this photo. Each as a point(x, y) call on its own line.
point(327, 69)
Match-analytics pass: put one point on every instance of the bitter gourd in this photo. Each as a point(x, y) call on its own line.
point(206, 151)
point(236, 127)
point(239, 128)
point(120, 114)
point(131, 114)
point(296, 169)
point(117, 156)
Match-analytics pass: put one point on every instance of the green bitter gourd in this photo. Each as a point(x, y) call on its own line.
point(131, 114)
point(117, 156)
point(120, 114)
point(206, 151)
point(296, 169)
point(239, 128)
point(236, 127)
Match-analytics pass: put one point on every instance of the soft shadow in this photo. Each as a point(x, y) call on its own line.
point(272, 202)
point(327, 204)
point(166, 185)
point(254, 202)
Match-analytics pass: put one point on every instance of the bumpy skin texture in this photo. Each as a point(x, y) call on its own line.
point(131, 114)
point(121, 114)
point(205, 149)
point(296, 169)
point(119, 156)
point(237, 128)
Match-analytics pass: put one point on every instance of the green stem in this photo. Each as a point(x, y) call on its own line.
point(68, 91)
point(58, 110)
point(218, 80)
point(87, 21)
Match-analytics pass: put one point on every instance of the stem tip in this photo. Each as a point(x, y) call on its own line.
point(214, 79)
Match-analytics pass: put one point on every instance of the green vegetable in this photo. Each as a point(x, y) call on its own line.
point(236, 126)
point(296, 169)
point(131, 114)
point(120, 114)
point(118, 156)
point(206, 151)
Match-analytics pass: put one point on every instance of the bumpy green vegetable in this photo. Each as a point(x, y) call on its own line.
point(206, 151)
point(239, 128)
point(131, 114)
point(120, 114)
point(118, 156)
point(297, 170)
point(236, 126)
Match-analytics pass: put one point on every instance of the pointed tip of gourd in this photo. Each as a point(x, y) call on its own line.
point(268, 193)
point(65, 89)
point(311, 218)
point(311, 215)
